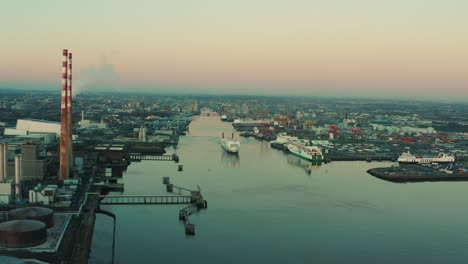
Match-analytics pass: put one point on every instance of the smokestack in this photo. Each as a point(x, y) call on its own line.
point(69, 113)
point(18, 176)
point(64, 160)
point(2, 176)
point(5, 160)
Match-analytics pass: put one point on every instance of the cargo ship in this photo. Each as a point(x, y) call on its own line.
point(306, 151)
point(231, 145)
point(408, 158)
point(249, 125)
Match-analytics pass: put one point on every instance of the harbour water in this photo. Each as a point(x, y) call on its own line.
point(265, 206)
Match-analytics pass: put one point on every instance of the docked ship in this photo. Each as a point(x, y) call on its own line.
point(231, 145)
point(306, 151)
point(249, 125)
point(408, 158)
point(283, 138)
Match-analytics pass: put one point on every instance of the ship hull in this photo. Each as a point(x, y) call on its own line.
point(418, 162)
point(312, 158)
point(230, 146)
point(230, 150)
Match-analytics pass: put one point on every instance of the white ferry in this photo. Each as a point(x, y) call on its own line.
point(231, 145)
point(413, 159)
point(283, 138)
point(307, 151)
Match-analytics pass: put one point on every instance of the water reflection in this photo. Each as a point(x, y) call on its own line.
point(231, 159)
point(302, 163)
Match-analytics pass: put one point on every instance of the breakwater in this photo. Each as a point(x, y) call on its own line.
point(414, 173)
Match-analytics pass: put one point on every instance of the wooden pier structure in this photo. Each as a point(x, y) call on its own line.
point(194, 199)
point(197, 203)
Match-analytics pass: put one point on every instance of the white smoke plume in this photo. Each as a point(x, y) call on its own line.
point(100, 77)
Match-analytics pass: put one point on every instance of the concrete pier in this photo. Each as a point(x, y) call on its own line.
point(414, 173)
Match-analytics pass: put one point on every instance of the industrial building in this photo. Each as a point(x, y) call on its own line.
point(32, 160)
point(89, 124)
point(38, 126)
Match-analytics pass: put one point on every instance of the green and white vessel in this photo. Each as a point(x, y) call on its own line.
point(306, 151)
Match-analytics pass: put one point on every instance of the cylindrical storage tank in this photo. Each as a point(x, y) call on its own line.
point(42, 214)
point(12, 260)
point(22, 233)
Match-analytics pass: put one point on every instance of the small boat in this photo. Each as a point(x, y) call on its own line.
point(258, 136)
point(246, 134)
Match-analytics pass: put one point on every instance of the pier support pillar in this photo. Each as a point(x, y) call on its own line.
point(190, 229)
point(165, 180)
point(182, 215)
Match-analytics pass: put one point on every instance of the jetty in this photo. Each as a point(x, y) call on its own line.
point(145, 199)
point(415, 173)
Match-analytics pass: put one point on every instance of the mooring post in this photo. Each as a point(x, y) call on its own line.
point(202, 204)
point(175, 158)
point(165, 180)
point(190, 229)
point(182, 215)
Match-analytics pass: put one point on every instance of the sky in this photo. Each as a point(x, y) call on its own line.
point(415, 48)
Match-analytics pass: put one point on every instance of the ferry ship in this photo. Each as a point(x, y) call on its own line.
point(283, 138)
point(306, 151)
point(231, 145)
point(409, 158)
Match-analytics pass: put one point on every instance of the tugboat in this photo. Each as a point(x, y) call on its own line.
point(246, 134)
point(269, 136)
point(231, 145)
point(258, 136)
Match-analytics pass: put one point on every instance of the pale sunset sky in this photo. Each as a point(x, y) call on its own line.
point(409, 48)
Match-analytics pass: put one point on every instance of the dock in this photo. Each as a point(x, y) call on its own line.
point(197, 203)
point(414, 173)
point(193, 198)
point(145, 199)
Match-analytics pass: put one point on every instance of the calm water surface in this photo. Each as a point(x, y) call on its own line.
point(265, 206)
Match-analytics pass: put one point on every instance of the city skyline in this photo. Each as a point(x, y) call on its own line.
point(337, 48)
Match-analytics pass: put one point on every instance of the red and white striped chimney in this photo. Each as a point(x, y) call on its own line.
point(64, 161)
point(69, 112)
